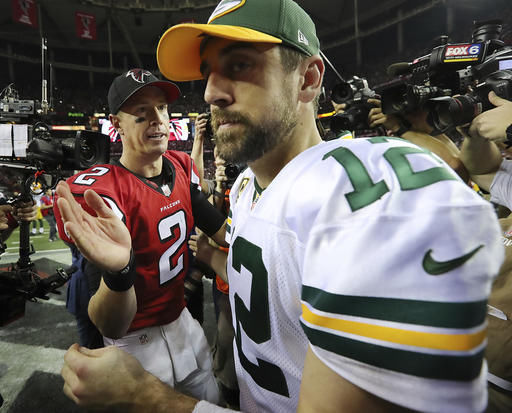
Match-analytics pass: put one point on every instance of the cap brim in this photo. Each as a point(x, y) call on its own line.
point(170, 89)
point(172, 92)
point(178, 49)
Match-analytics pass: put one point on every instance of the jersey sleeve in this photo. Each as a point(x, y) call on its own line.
point(394, 299)
point(189, 167)
point(195, 181)
point(207, 218)
point(63, 235)
point(98, 178)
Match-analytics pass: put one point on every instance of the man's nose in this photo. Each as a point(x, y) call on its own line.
point(218, 90)
point(155, 115)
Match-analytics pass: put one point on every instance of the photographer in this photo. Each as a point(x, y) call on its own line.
point(414, 127)
point(222, 352)
point(481, 154)
point(197, 154)
point(218, 191)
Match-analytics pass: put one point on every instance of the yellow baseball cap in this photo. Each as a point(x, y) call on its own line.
point(258, 21)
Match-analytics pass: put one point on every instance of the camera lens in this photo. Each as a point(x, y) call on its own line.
point(87, 153)
point(342, 92)
point(232, 171)
point(456, 111)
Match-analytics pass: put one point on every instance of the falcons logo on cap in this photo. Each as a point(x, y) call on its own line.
point(138, 75)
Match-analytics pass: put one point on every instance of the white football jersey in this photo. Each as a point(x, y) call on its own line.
point(377, 255)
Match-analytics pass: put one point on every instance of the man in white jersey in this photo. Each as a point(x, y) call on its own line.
point(358, 269)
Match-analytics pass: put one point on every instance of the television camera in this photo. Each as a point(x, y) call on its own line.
point(453, 81)
point(41, 156)
point(355, 93)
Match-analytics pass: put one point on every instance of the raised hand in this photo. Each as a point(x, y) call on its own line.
point(376, 117)
point(492, 124)
point(103, 240)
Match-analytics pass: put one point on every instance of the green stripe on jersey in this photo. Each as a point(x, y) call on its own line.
point(228, 221)
point(426, 313)
point(429, 366)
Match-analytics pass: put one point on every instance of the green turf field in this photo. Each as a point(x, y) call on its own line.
point(39, 241)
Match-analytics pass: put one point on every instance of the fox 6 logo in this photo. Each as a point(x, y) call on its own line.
point(462, 50)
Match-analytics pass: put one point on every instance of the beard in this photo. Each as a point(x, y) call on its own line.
point(251, 141)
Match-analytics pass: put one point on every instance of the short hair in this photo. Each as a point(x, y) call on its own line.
point(290, 57)
point(290, 60)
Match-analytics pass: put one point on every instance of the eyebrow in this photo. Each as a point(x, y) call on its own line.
point(223, 52)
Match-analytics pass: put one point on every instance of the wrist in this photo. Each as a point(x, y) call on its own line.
point(401, 127)
point(123, 279)
point(154, 396)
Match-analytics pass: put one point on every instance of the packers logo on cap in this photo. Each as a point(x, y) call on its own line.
point(225, 7)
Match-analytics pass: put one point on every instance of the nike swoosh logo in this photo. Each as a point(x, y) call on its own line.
point(433, 267)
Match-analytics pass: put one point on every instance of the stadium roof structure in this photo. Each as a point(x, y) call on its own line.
point(132, 28)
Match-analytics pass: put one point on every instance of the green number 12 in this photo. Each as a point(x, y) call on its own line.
point(366, 191)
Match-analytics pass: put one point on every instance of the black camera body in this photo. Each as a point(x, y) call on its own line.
point(62, 150)
point(401, 96)
point(448, 65)
point(232, 170)
point(448, 112)
point(209, 129)
point(355, 93)
point(470, 69)
point(42, 156)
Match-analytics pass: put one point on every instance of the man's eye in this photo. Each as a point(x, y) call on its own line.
point(237, 67)
point(162, 108)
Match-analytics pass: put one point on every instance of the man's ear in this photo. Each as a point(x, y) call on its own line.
point(313, 73)
point(114, 120)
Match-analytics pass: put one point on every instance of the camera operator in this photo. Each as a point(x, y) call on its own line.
point(482, 155)
point(201, 133)
point(222, 353)
point(414, 127)
point(218, 191)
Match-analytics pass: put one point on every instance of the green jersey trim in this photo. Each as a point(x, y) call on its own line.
point(430, 366)
point(427, 313)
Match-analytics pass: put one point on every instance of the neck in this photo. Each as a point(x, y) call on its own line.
point(304, 136)
point(145, 166)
